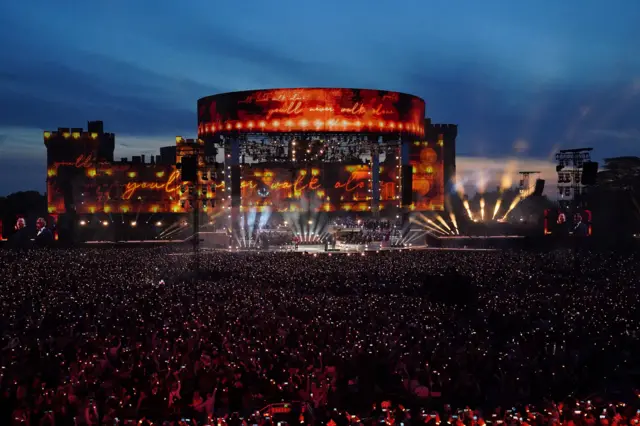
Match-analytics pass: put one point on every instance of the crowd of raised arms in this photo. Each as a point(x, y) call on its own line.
point(112, 336)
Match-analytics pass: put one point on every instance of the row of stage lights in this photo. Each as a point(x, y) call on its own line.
point(304, 124)
point(106, 223)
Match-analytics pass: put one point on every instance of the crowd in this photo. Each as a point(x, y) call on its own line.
point(110, 336)
point(369, 224)
point(366, 236)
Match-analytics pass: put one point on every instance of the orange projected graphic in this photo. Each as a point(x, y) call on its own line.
point(351, 190)
point(149, 188)
point(426, 159)
point(130, 188)
point(333, 187)
point(95, 186)
point(114, 188)
point(280, 189)
point(311, 110)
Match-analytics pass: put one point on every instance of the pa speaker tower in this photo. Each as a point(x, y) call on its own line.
point(236, 187)
point(407, 185)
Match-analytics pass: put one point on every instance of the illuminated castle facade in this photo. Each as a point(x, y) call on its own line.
point(296, 152)
point(84, 181)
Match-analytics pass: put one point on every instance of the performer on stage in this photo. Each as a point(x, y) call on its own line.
point(44, 238)
point(562, 226)
point(20, 239)
point(580, 228)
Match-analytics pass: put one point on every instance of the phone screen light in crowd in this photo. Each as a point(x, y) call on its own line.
point(105, 223)
point(158, 223)
point(83, 222)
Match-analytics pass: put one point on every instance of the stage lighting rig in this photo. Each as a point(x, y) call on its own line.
point(569, 169)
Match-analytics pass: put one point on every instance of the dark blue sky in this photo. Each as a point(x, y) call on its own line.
point(520, 78)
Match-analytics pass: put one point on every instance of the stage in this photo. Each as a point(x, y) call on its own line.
point(319, 249)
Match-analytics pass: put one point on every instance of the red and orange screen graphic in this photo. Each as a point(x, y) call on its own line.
point(311, 110)
point(114, 188)
point(426, 160)
point(331, 187)
point(103, 187)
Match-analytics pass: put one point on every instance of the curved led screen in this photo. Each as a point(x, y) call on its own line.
point(311, 110)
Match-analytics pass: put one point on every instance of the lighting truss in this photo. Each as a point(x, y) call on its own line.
point(569, 169)
point(288, 148)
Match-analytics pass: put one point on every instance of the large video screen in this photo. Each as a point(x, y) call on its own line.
point(330, 188)
point(311, 110)
point(565, 222)
point(276, 189)
point(152, 188)
point(348, 187)
point(427, 161)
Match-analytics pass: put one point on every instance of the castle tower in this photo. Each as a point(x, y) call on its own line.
point(71, 154)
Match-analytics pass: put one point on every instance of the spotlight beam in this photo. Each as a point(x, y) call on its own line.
point(496, 208)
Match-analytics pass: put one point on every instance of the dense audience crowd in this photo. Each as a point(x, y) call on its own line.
point(107, 336)
point(369, 224)
point(366, 236)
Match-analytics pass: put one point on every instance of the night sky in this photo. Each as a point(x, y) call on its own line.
point(521, 79)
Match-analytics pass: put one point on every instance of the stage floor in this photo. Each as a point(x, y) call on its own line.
point(351, 249)
point(311, 248)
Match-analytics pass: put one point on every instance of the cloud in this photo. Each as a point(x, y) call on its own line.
point(547, 116)
point(128, 98)
point(256, 58)
point(521, 146)
point(622, 135)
